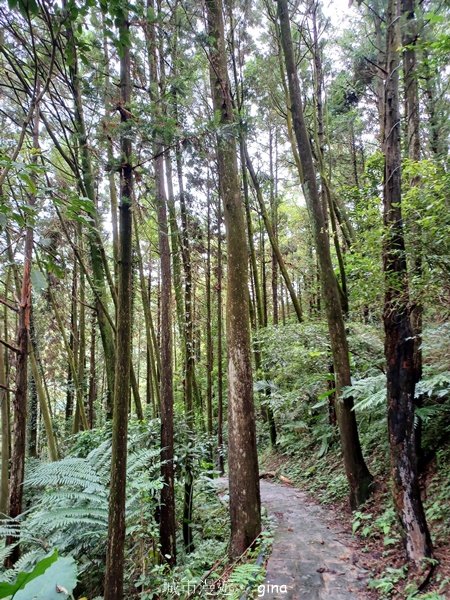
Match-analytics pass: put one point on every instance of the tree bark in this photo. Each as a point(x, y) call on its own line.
point(116, 522)
point(92, 391)
point(18, 446)
point(219, 279)
point(96, 251)
point(410, 77)
point(243, 459)
point(4, 408)
point(399, 343)
point(167, 529)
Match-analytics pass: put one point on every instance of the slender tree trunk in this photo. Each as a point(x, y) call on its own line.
point(256, 287)
point(219, 279)
point(81, 358)
point(188, 297)
point(273, 241)
point(117, 497)
point(167, 529)
point(92, 391)
point(190, 355)
point(209, 340)
point(96, 251)
point(154, 363)
point(243, 459)
point(18, 446)
point(42, 397)
point(73, 363)
point(175, 246)
point(438, 141)
point(399, 343)
point(358, 475)
point(73, 340)
point(262, 249)
point(274, 216)
point(4, 407)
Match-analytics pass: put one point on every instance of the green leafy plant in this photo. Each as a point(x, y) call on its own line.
point(387, 582)
point(52, 578)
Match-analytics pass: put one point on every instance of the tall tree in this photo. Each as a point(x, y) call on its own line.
point(116, 522)
point(18, 446)
point(412, 115)
point(242, 453)
point(399, 343)
point(358, 475)
point(167, 529)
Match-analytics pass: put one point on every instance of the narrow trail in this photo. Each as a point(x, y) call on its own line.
point(312, 558)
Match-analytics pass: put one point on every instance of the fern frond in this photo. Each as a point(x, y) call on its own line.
point(70, 472)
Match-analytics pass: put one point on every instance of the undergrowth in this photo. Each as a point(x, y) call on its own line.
point(296, 363)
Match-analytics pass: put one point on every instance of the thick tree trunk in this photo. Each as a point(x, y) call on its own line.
point(108, 100)
point(242, 453)
point(32, 419)
point(358, 475)
point(167, 521)
point(20, 397)
point(117, 497)
point(399, 343)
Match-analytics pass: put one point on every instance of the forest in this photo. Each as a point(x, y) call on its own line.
point(224, 299)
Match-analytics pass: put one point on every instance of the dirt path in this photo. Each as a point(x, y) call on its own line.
point(312, 558)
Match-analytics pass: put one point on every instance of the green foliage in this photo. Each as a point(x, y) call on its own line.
point(368, 393)
point(69, 501)
point(386, 583)
point(10, 589)
point(51, 578)
point(383, 526)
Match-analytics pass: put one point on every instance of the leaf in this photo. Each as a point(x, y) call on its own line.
point(38, 280)
point(56, 583)
point(10, 589)
point(28, 181)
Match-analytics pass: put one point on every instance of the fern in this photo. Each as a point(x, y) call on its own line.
point(69, 501)
point(368, 393)
point(434, 385)
point(76, 473)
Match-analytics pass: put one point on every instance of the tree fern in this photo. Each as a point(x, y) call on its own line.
point(69, 500)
